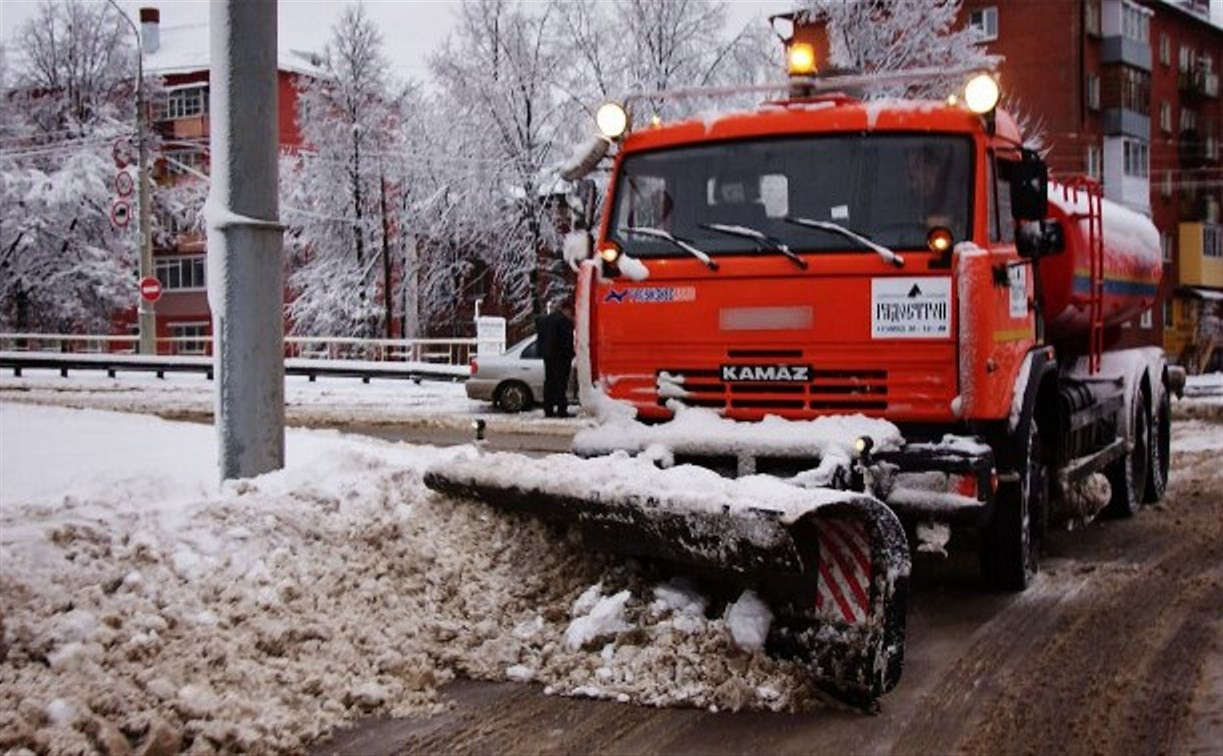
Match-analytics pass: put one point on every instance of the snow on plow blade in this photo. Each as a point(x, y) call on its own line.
point(833, 565)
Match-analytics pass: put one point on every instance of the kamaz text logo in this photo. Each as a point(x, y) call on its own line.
point(766, 373)
point(651, 294)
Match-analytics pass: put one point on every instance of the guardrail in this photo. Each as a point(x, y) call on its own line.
point(428, 351)
point(113, 364)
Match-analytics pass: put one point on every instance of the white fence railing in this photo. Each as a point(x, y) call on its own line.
point(434, 351)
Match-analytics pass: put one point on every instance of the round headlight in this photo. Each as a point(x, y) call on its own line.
point(612, 120)
point(610, 253)
point(981, 94)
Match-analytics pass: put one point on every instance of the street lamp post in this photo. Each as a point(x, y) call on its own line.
point(147, 311)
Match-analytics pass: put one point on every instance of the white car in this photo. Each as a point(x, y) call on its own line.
point(512, 380)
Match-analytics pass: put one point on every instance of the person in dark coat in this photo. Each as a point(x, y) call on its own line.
point(556, 346)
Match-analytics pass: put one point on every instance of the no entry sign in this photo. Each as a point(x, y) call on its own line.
point(150, 289)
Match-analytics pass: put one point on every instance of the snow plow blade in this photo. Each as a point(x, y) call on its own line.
point(833, 565)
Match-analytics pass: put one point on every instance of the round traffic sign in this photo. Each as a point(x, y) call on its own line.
point(150, 289)
point(124, 183)
point(121, 151)
point(120, 213)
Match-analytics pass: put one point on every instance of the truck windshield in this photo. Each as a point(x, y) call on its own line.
point(891, 189)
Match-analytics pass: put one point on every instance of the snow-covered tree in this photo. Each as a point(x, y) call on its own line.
point(655, 45)
point(62, 265)
point(342, 239)
point(505, 121)
point(876, 37)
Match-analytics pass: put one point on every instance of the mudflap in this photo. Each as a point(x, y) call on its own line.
point(836, 577)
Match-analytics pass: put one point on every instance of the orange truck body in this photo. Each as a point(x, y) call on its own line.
point(688, 320)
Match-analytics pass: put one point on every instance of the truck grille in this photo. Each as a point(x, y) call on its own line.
point(829, 390)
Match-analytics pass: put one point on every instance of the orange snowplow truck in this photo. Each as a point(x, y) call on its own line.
point(825, 257)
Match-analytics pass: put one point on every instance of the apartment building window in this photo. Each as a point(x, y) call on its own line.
point(1137, 158)
point(188, 102)
point(1168, 322)
point(1212, 240)
point(1093, 91)
point(1165, 246)
point(184, 273)
point(1091, 18)
point(1166, 185)
point(1165, 49)
point(1189, 120)
point(1165, 115)
point(985, 21)
point(1093, 161)
point(1134, 22)
point(1185, 62)
point(1146, 320)
point(1135, 90)
point(196, 335)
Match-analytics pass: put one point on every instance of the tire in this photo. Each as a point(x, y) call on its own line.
point(1010, 542)
point(514, 397)
point(1127, 477)
point(1161, 450)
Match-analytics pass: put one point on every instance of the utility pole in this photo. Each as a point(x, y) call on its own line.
point(245, 240)
point(146, 309)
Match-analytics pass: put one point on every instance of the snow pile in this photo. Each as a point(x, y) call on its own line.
point(148, 606)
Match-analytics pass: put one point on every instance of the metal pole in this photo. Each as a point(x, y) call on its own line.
point(245, 245)
point(146, 309)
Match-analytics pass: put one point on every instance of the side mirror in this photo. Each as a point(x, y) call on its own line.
point(1037, 239)
point(1029, 188)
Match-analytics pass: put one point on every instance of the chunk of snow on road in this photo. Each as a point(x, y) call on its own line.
point(748, 620)
point(605, 618)
point(933, 537)
point(519, 673)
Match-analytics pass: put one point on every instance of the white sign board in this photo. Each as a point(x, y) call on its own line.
point(490, 335)
point(911, 308)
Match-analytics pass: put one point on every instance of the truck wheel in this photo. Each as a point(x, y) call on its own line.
point(1127, 477)
point(514, 397)
point(1161, 450)
point(1009, 544)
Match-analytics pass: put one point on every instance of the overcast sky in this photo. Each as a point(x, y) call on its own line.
point(411, 29)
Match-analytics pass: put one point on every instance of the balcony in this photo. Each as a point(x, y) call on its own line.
point(1201, 255)
point(1122, 120)
point(1199, 83)
point(1118, 48)
point(1196, 150)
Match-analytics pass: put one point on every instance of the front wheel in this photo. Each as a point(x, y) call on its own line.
point(1009, 549)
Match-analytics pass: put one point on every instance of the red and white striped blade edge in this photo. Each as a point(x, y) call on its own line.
point(844, 581)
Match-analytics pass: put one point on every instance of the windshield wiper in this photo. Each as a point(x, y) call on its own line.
point(667, 236)
point(888, 255)
point(764, 240)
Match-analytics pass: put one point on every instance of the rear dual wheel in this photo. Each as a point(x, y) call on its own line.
point(1128, 476)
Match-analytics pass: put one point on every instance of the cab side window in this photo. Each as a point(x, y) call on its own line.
point(530, 352)
point(1001, 224)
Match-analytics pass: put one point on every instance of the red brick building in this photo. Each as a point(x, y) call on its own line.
point(179, 55)
point(1128, 92)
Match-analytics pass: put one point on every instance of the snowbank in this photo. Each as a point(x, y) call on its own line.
point(143, 604)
